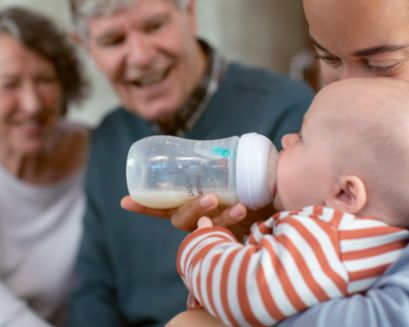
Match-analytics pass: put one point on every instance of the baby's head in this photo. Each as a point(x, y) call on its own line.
point(352, 153)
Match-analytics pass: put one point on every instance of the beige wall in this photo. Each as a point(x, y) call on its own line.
point(265, 33)
point(260, 32)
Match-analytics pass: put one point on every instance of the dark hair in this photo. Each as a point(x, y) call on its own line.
point(39, 34)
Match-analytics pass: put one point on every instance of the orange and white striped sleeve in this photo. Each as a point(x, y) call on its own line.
point(289, 263)
point(368, 247)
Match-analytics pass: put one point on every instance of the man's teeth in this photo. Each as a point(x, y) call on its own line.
point(149, 80)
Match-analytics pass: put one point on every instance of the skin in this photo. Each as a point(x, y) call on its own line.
point(360, 38)
point(33, 141)
point(197, 318)
point(298, 165)
point(30, 98)
point(150, 55)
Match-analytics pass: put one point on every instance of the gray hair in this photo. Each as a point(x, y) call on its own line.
point(81, 10)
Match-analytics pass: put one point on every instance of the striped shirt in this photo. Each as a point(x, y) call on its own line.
point(288, 263)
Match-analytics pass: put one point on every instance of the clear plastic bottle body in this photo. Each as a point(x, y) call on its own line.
point(166, 171)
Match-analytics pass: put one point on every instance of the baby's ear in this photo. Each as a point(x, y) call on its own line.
point(350, 195)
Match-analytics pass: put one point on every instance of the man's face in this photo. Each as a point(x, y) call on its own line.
point(150, 55)
point(360, 38)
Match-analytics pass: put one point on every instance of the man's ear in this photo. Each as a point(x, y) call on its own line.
point(350, 195)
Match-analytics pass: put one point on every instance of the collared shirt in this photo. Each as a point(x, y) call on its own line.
point(187, 117)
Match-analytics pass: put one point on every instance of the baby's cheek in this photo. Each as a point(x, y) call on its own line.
point(277, 203)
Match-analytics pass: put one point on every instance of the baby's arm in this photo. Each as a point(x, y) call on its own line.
point(270, 278)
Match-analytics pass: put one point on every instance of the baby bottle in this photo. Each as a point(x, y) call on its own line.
point(166, 171)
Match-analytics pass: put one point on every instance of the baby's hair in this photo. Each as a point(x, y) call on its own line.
point(375, 142)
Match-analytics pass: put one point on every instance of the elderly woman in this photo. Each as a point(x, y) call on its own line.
point(42, 161)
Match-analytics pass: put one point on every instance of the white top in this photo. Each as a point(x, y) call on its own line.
point(40, 229)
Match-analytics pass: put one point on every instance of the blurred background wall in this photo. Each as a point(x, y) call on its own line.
point(265, 33)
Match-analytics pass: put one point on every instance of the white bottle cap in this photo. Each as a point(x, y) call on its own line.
point(252, 171)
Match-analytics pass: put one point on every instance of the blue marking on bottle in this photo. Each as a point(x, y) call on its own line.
point(223, 152)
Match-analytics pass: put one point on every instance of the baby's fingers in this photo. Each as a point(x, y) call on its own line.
point(204, 222)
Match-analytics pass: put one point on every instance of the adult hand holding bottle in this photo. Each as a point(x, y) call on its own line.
point(237, 217)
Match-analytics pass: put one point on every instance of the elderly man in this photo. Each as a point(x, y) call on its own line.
point(169, 82)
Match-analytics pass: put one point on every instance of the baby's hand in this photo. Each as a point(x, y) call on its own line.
point(204, 222)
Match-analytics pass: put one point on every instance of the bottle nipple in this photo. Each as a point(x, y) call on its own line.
point(256, 170)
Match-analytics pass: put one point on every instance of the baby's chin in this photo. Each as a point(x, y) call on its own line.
point(277, 203)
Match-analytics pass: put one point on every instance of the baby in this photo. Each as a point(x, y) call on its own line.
point(342, 185)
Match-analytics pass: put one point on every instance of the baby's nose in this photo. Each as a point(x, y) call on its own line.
point(287, 139)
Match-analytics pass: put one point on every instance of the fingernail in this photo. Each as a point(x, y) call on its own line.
point(236, 212)
point(207, 201)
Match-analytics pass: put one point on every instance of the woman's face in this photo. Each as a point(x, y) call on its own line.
point(360, 38)
point(30, 99)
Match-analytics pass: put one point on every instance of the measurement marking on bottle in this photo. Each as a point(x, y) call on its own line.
point(224, 152)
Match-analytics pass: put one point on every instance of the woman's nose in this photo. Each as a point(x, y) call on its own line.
point(30, 99)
